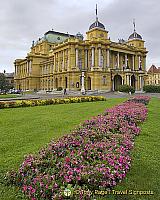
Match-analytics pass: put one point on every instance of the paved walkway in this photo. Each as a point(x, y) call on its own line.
point(107, 95)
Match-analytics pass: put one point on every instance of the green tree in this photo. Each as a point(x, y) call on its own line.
point(4, 84)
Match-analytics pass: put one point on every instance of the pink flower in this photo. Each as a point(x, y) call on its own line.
point(24, 188)
point(67, 159)
point(98, 152)
point(78, 178)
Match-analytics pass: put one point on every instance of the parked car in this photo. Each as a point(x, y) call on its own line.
point(16, 92)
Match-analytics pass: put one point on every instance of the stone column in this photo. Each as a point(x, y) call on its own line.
point(15, 69)
point(68, 62)
point(54, 63)
point(126, 82)
point(76, 57)
point(112, 85)
point(30, 67)
point(118, 60)
point(144, 63)
point(99, 57)
point(140, 82)
point(86, 58)
point(123, 80)
point(133, 62)
point(104, 59)
point(129, 80)
point(47, 83)
point(27, 67)
point(63, 65)
point(83, 89)
point(52, 68)
point(108, 59)
point(42, 70)
point(139, 62)
point(126, 60)
point(53, 82)
point(58, 62)
point(48, 69)
point(92, 56)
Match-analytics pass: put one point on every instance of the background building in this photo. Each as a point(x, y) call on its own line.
point(153, 75)
point(10, 78)
point(96, 63)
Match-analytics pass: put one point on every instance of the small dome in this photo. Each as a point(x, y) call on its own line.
point(97, 24)
point(135, 35)
point(79, 36)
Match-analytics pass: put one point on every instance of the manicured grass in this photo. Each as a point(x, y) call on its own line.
point(26, 130)
point(144, 174)
point(4, 96)
point(145, 171)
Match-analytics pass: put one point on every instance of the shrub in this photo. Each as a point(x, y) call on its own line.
point(59, 89)
point(49, 102)
point(9, 105)
point(126, 88)
point(152, 88)
point(27, 103)
point(18, 103)
point(2, 104)
point(140, 99)
point(96, 155)
point(66, 100)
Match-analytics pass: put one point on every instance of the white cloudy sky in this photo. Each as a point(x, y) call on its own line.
point(22, 21)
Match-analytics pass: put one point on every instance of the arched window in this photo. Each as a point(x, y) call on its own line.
point(104, 80)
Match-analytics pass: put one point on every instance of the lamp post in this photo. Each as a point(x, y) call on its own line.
point(82, 88)
point(111, 80)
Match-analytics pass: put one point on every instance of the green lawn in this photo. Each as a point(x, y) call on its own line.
point(145, 170)
point(4, 96)
point(144, 174)
point(26, 130)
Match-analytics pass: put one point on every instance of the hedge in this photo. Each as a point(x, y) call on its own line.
point(126, 88)
point(30, 103)
point(152, 88)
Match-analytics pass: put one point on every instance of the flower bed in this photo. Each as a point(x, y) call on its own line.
point(29, 103)
point(140, 99)
point(95, 156)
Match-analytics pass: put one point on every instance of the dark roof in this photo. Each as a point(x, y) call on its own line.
point(9, 75)
point(154, 69)
point(97, 24)
point(135, 35)
point(58, 33)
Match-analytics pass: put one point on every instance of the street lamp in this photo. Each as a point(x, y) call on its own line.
point(111, 79)
point(82, 88)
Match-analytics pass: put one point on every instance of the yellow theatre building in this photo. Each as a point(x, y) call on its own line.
point(72, 62)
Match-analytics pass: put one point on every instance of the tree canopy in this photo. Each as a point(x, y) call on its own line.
point(4, 83)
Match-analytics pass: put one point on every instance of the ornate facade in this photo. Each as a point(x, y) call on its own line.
point(153, 75)
point(10, 78)
point(95, 63)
